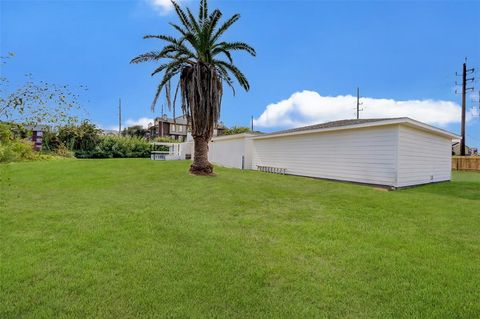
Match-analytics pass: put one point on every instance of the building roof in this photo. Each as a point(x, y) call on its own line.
point(360, 123)
point(182, 119)
point(332, 124)
point(233, 136)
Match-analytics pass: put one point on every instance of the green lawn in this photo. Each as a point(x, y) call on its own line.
point(138, 238)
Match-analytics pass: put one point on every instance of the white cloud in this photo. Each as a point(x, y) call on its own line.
point(309, 107)
point(143, 121)
point(163, 7)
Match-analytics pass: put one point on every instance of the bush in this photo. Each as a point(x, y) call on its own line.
point(165, 139)
point(81, 141)
point(63, 151)
point(13, 148)
point(82, 138)
point(136, 130)
point(117, 147)
point(236, 130)
point(51, 141)
point(17, 150)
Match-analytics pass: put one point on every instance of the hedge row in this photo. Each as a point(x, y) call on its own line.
point(117, 147)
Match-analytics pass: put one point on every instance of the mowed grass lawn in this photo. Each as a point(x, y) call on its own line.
point(139, 238)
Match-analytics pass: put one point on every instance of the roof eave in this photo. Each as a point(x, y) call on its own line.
point(233, 136)
point(405, 120)
point(430, 128)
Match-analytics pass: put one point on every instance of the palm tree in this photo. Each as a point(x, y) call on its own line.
point(201, 62)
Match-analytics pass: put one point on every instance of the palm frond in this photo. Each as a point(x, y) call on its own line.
point(242, 80)
point(224, 28)
point(223, 73)
point(160, 69)
point(217, 51)
point(178, 28)
point(193, 22)
point(214, 18)
point(182, 16)
point(203, 12)
point(167, 38)
point(166, 78)
point(149, 56)
point(202, 92)
point(237, 46)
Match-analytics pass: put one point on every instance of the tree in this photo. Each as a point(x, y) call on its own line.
point(236, 130)
point(83, 137)
point(36, 102)
point(202, 62)
point(136, 130)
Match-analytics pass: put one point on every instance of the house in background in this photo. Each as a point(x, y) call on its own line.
point(176, 128)
point(36, 135)
point(468, 150)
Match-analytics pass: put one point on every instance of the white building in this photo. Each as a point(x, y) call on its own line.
point(391, 152)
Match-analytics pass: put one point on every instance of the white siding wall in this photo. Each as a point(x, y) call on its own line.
point(228, 151)
point(186, 148)
point(366, 155)
point(423, 157)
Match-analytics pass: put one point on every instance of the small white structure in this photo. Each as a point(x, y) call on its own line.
point(396, 152)
point(173, 152)
point(233, 151)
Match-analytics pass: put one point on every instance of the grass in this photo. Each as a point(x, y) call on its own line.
point(139, 238)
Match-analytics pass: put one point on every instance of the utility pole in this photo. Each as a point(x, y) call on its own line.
point(251, 124)
point(358, 103)
point(119, 116)
point(464, 107)
point(465, 72)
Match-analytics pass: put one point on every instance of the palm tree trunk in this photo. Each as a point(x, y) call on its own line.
point(201, 165)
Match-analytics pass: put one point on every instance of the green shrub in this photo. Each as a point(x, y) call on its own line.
point(17, 150)
point(81, 141)
point(5, 133)
point(165, 139)
point(117, 147)
point(136, 130)
point(82, 138)
point(63, 151)
point(236, 130)
point(51, 142)
point(13, 148)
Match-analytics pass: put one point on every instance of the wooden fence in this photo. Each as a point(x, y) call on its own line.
point(466, 163)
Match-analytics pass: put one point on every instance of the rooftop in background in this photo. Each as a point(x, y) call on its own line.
point(182, 119)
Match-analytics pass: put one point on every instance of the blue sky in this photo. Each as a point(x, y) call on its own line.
point(311, 57)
